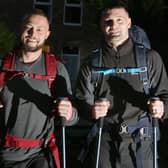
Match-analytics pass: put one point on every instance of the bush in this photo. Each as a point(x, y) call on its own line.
point(7, 39)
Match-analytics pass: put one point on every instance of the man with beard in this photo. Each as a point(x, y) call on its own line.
point(35, 93)
point(120, 97)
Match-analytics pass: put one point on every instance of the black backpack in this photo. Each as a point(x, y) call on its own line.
point(141, 42)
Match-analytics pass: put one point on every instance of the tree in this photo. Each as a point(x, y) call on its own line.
point(7, 39)
point(145, 12)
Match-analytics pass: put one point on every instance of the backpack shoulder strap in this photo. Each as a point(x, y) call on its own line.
point(7, 65)
point(50, 63)
point(139, 36)
point(142, 43)
point(8, 61)
point(140, 53)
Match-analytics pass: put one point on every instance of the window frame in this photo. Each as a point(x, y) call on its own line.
point(48, 5)
point(68, 66)
point(74, 5)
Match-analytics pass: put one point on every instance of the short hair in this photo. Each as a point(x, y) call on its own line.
point(114, 5)
point(34, 11)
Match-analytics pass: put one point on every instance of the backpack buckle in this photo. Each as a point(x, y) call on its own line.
point(119, 70)
point(51, 78)
point(123, 129)
point(144, 133)
point(25, 74)
point(143, 69)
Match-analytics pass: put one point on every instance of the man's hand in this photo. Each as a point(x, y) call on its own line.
point(100, 109)
point(65, 109)
point(156, 108)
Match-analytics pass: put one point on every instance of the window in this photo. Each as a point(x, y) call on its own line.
point(73, 12)
point(46, 6)
point(71, 56)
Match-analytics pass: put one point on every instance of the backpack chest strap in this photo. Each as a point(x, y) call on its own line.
point(107, 71)
point(39, 76)
point(9, 75)
point(8, 72)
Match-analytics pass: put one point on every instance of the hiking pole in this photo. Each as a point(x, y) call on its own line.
point(63, 124)
point(155, 128)
point(63, 142)
point(101, 121)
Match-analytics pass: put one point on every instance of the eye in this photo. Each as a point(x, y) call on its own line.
point(108, 22)
point(120, 20)
point(40, 30)
point(27, 27)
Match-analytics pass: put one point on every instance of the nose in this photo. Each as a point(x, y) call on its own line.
point(110, 23)
point(32, 32)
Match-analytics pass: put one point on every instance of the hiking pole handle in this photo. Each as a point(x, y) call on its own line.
point(63, 119)
point(154, 120)
point(101, 121)
point(155, 127)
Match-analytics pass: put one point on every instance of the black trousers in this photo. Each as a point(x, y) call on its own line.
point(118, 153)
point(36, 162)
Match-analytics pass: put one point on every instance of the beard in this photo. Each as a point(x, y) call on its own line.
point(28, 48)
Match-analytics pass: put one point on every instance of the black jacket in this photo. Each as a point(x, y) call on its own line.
point(125, 91)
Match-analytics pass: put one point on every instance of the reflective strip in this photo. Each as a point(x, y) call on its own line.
point(107, 71)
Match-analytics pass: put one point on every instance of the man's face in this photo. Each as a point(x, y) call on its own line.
point(115, 24)
point(34, 33)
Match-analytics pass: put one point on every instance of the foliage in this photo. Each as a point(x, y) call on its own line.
point(149, 10)
point(153, 7)
point(143, 11)
point(147, 5)
point(97, 4)
point(7, 39)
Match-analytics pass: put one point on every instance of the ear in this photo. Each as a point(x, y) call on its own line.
point(129, 22)
point(47, 34)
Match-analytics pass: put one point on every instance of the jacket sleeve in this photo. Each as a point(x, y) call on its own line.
point(63, 89)
point(84, 92)
point(158, 78)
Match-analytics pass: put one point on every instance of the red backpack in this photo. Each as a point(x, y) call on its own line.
point(7, 69)
point(7, 73)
